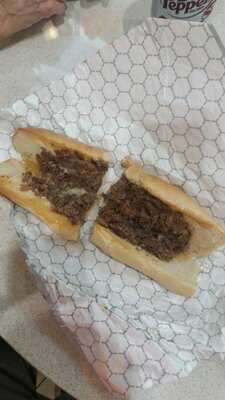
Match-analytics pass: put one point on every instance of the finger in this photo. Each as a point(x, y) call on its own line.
point(52, 7)
point(15, 24)
point(43, 9)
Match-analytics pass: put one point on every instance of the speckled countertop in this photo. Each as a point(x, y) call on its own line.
point(25, 321)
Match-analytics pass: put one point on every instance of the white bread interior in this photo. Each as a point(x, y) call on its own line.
point(178, 277)
point(180, 274)
point(29, 142)
point(11, 174)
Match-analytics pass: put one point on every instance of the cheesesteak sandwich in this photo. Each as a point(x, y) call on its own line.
point(57, 180)
point(156, 228)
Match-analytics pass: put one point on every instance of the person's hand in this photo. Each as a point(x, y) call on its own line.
point(16, 15)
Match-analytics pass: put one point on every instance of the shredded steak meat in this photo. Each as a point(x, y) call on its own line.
point(145, 221)
point(68, 180)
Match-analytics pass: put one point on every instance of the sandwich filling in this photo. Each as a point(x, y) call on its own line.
point(68, 179)
point(145, 221)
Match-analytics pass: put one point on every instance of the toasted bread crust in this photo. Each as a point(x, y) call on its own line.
point(51, 140)
point(11, 172)
point(180, 274)
point(178, 277)
point(168, 193)
point(29, 142)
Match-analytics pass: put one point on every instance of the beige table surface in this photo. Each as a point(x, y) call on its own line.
point(25, 321)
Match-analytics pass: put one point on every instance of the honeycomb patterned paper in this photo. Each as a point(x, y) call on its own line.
point(157, 93)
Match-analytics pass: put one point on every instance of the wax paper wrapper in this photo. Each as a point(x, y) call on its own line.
point(156, 94)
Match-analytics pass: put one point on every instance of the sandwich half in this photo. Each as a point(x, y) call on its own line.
point(57, 179)
point(156, 228)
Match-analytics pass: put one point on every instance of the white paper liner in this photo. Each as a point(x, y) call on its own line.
point(157, 94)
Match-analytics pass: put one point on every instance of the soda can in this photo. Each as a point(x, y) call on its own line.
point(190, 10)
